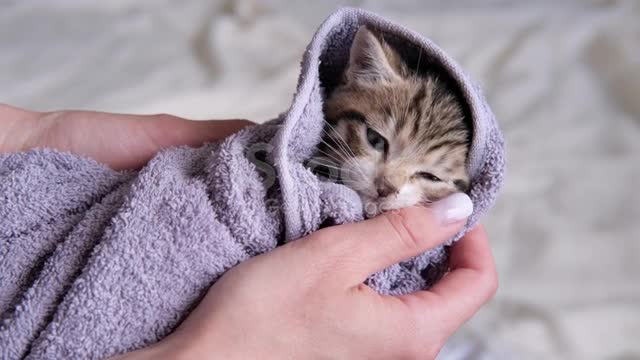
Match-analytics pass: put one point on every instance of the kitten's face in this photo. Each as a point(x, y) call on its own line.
point(397, 138)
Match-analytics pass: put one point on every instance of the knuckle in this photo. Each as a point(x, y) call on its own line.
point(415, 349)
point(165, 117)
point(326, 242)
point(492, 283)
point(422, 325)
point(322, 253)
point(426, 349)
point(56, 115)
point(433, 349)
point(412, 341)
point(399, 221)
point(412, 352)
point(421, 349)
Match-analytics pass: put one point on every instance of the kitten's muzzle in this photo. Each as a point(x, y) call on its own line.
point(385, 189)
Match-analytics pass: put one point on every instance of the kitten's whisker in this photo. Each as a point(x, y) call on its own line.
point(342, 156)
point(342, 170)
point(345, 158)
point(426, 201)
point(344, 148)
point(342, 144)
point(335, 131)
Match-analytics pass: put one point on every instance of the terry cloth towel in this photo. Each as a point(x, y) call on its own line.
point(95, 262)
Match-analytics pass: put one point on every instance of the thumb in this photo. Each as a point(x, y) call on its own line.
point(362, 248)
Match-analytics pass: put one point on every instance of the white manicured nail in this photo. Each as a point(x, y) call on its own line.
point(453, 208)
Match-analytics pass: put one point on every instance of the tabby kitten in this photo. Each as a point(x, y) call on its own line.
point(396, 137)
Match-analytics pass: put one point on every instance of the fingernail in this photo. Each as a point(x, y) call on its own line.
point(453, 208)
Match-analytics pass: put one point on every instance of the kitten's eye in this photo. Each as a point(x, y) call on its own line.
point(428, 176)
point(376, 140)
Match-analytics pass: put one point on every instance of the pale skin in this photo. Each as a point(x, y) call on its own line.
point(306, 299)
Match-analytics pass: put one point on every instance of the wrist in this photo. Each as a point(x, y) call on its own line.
point(19, 129)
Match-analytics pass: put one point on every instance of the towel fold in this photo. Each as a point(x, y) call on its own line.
point(95, 262)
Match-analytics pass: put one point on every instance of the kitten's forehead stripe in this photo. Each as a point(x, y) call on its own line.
point(445, 143)
point(417, 120)
point(387, 111)
point(418, 97)
point(353, 139)
point(353, 115)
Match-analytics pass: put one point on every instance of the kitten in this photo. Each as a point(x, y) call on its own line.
point(396, 137)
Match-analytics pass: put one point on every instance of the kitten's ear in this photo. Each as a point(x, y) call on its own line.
point(370, 60)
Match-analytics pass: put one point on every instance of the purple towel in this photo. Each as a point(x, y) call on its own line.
point(95, 262)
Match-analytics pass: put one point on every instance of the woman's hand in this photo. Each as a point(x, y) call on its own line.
point(120, 141)
point(304, 300)
point(307, 300)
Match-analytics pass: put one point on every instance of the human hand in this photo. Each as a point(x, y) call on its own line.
point(307, 300)
point(118, 140)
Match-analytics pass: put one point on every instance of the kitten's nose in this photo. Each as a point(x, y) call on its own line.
point(385, 190)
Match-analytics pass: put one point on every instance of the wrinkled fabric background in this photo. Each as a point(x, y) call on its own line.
point(563, 78)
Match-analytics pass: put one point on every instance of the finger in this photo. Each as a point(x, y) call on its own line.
point(356, 250)
point(140, 137)
point(471, 282)
point(167, 130)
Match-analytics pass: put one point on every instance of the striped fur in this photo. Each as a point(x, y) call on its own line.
point(397, 138)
